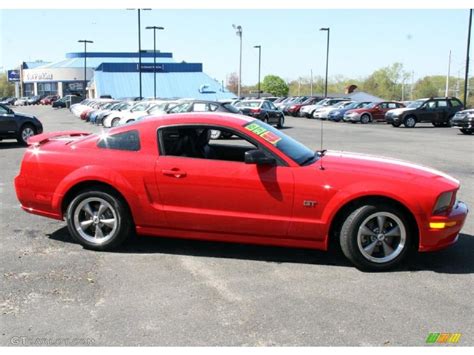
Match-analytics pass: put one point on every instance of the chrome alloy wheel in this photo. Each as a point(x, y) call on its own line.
point(381, 237)
point(27, 133)
point(95, 220)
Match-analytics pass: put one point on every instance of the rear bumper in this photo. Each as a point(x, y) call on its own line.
point(432, 239)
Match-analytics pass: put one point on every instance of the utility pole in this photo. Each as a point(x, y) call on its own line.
point(311, 82)
point(85, 41)
point(446, 92)
point(238, 32)
point(327, 61)
point(154, 28)
point(466, 75)
point(259, 65)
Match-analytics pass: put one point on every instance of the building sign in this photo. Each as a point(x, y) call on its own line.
point(13, 75)
point(149, 67)
point(39, 76)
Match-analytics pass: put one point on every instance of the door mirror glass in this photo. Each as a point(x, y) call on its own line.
point(258, 157)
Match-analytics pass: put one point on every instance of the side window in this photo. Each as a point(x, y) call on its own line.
point(213, 107)
point(382, 105)
point(266, 106)
point(3, 110)
point(455, 103)
point(200, 107)
point(197, 142)
point(129, 140)
point(442, 103)
point(430, 105)
point(392, 105)
point(180, 108)
point(272, 106)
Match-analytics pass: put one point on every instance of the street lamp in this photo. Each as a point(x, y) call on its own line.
point(139, 50)
point(259, 65)
point(85, 41)
point(238, 32)
point(327, 61)
point(154, 28)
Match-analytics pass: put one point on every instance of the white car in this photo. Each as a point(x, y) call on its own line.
point(324, 111)
point(114, 117)
point(307, 111)
point(21, 101)
point(136, 111)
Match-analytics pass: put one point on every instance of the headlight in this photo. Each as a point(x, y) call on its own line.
point(444, 202)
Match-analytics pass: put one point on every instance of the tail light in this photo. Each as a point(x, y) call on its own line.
point(255, 110)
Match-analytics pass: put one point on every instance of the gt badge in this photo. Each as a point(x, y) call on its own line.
point(308, 203)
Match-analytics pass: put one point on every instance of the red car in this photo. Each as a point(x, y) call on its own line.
point(164, 176)
point(373, 112)
point(295, 108)
point(48, 100)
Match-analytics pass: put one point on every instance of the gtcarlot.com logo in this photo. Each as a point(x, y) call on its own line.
point(31, 341)
point(443, 338)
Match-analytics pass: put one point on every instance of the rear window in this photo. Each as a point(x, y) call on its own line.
point(129, 140)
point(455, 103)
point(231, 108)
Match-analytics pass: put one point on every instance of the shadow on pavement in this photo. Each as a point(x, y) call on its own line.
point(457, 259)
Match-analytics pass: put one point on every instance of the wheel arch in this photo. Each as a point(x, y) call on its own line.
point(337, 219)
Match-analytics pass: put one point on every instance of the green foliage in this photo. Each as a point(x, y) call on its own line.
point(275, 85)
point(6, 88)
point(386, 82)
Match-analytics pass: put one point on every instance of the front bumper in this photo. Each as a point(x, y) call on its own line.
point(462, 124)
point(352, 118)
point(392, 119)
point(432, 239)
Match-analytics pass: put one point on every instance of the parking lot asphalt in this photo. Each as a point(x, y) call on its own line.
point(159, 291)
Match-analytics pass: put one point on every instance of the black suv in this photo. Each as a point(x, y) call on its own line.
point(437, 110)
point(18, 126)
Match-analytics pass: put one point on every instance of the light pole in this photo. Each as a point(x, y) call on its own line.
point(259, 65)
point(154, 28)
point(139, 50)
point(466, 74)
point(85, 41)
point(238, 32)
point(327, 62)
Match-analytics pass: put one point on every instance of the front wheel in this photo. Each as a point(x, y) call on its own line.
point(396, 124)
point(98, 220)
point(376, 237)
point(115, 122)
point(466, 131)
point(409, 122)
point(365, 119)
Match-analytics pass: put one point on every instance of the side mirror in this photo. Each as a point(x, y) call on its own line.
point(258, 157)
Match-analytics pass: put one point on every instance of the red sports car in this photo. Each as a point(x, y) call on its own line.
point(164, 176)
point(373, 112)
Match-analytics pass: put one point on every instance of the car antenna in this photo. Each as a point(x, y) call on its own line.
point(322, 151)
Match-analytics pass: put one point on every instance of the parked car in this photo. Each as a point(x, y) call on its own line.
point(34, 100)
point(48, 100)
point(437, 110)
point(19, 126)
point(323, 112)
point(338, 114)
point(294, 109)
point(307, 111)
point(296, 101)
point(165, 176)
point(21, 101)
point(114, 116)
point(464, 120)
point(103, 111)
point(264, 110)
point(8, 100)
point(374, 112)
point(59, 103)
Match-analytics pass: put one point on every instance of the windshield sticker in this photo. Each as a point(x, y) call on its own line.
point(270, 137)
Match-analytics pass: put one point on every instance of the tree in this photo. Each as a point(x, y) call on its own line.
point(386, 82)
point(233, 83)
point(6, 88)
point(275, 85)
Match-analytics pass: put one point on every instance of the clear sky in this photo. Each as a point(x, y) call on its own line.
point(292, 45)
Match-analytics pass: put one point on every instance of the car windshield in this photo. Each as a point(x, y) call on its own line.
point(352, 105)
point(372, 105)
point(249, 104)
point(416, 104)
point(287, 145)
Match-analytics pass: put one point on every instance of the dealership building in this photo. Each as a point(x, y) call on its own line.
point(117, 74)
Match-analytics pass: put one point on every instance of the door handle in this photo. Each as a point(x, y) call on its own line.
point(177, 173)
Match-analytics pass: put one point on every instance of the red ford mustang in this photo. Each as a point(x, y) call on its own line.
point(164, 176)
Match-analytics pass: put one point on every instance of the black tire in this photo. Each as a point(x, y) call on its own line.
point(281, 122)
point(409, 121)
point(115, 122)
point(466, 131)
point(25, 132)
point(365, 118)
point(350, 240)
point(265, 119)
point(120, 214)
point(437, 124)
point(396, 124)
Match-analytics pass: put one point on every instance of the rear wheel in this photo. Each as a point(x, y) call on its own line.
point(281, 121)
point(98, 220)
point(376, 237)
point(26, 132)
point(115, 122)
point(409, 122)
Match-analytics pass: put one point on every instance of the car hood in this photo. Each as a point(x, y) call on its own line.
point(398, 111)
point(24, 115)
point(394, 169)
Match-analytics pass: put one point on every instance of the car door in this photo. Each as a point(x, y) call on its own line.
point(378, 112)
point(428, 112)
point(7, 121)
point(269, 111)
point(221, 196)
point(442, 110)
point(276, 113)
